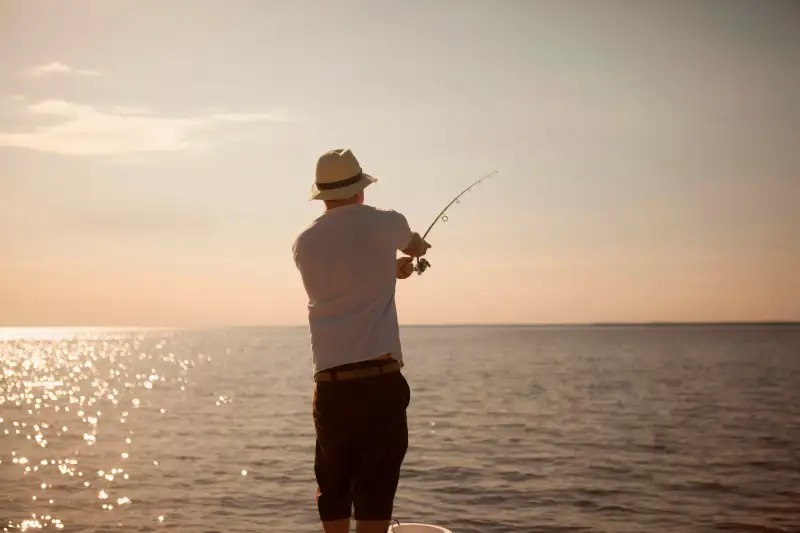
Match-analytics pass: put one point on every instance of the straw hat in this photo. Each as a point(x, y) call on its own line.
point(339, 176)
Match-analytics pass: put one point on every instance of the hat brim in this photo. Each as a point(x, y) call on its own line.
point(345, 192)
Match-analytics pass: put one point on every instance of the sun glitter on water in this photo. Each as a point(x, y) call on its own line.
point(62, 390)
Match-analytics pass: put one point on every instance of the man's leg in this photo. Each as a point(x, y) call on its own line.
point(340, 526)
point(333, 492)
point(381, 450)
point(332, 461)
point(371, 526)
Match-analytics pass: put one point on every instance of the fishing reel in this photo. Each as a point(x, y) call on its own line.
point(421, 266)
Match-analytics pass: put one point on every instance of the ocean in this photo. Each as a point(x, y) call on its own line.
point(512, 429)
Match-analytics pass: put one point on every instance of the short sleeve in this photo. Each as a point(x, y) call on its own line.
point(296, 252)
point(399, 232)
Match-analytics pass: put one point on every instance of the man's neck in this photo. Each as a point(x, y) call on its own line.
point(337, 206)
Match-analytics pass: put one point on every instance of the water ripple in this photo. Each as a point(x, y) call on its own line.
point(511, 429)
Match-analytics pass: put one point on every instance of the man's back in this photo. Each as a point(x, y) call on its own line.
point(347, 260)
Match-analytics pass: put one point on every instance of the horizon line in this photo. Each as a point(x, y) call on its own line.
point(654, 323)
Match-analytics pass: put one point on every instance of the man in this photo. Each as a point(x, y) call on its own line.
point(347, 259)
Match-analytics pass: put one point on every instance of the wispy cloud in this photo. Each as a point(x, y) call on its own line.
point(87, 130)
point(59, 69)
point(136, 219)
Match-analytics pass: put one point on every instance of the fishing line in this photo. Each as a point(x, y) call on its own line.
point(422, 263)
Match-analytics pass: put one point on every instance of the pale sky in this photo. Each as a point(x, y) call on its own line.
point(156, 157)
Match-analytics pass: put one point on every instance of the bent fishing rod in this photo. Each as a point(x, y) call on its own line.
point(422, 263)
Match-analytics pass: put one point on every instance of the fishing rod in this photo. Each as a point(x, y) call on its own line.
point(422, 263)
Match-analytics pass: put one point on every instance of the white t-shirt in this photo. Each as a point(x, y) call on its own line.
point(347, 258)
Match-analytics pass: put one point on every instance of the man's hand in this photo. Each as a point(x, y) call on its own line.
point(417, 247)
point(405, 267)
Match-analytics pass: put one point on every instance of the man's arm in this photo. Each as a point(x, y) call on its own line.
point(408, 242)
point(400, 234)
point(417, 247)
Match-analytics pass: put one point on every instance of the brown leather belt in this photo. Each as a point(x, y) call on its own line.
point(358, 373)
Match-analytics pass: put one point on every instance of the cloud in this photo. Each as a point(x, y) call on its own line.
point(87, 130)
point(139, 219)
point(59, 69)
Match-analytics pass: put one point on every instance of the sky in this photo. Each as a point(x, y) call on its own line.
point(156, 157)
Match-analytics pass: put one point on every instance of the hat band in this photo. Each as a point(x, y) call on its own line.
point(341, 183)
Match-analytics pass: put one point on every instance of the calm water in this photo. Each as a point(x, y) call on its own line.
point(512, 429)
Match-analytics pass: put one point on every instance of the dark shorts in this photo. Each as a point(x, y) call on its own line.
point(362, 438)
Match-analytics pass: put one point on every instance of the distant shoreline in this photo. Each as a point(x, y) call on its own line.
point(565, 325)
point(613, 324)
